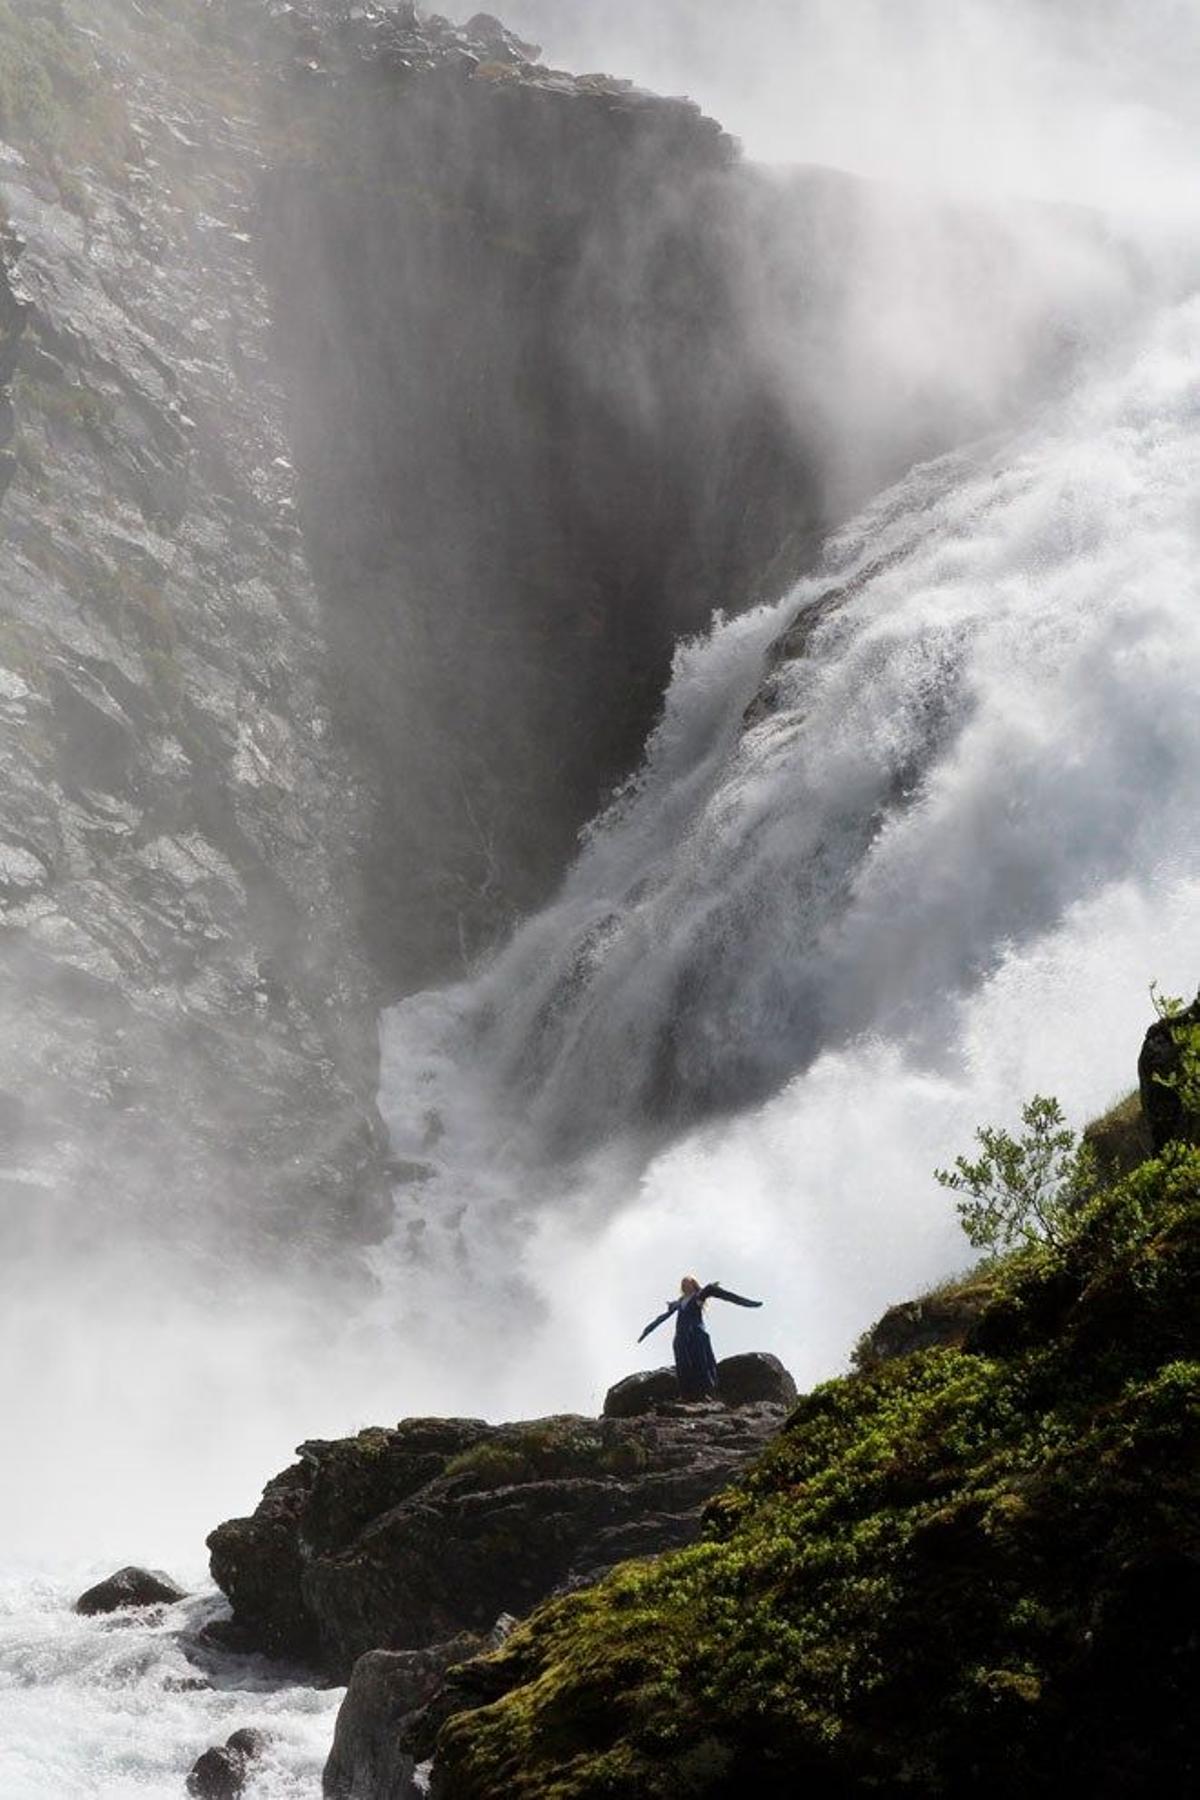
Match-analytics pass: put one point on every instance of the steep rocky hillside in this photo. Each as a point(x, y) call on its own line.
point(969, 1568)
point(536, 436)
point(240, 808)
point(484, 311)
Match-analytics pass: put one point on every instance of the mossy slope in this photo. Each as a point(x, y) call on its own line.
point(969, 1570)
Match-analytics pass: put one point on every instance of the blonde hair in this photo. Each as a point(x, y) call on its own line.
point(689, 1285)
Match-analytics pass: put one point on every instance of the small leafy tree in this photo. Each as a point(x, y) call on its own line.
point(1022, 1190)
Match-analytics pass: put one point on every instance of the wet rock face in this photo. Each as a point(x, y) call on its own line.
point(386, 1688)
point(400, 1539)
point(536, 442)
point(187, 1025)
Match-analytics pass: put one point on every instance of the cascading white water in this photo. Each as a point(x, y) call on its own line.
point(795, 964)
point(935, 871)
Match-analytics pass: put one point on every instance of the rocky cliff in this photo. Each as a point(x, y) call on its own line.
point(973, 1566)
point(406, 1538)
point(380, 407)
point(277, 743)
point(376, 415)
point(536, 438)
point(188, 1028)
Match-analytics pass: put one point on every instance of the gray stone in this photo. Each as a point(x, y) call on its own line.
point(222, 1772)
point(367, 1761)
point(640, 1393)
point(754, 1376)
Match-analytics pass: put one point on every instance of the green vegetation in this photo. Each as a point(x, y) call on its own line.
point(964, 1570)
point(1119, 1139)
point(1023, 1189)
point(1185, 1079)
point(545, 1453)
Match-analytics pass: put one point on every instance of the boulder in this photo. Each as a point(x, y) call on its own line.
point(640, 1393)
point(250, 1741)
point(130, 1587)
point(945, 1316)
point(386, 1688)
point(222, 1772)
point(756, 1376)
point(741, 1381)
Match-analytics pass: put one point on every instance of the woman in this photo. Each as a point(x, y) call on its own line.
point(695, 1364)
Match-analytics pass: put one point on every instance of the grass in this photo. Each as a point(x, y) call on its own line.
point(969, 1569)
point(545, 1453)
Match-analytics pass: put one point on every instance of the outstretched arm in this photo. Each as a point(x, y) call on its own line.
point(662, 1317)
point(714, 1291)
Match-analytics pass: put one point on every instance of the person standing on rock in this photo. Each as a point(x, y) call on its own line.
point(695, 1364)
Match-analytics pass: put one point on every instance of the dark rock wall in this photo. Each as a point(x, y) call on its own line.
point(399, 1539)
point(536, 443)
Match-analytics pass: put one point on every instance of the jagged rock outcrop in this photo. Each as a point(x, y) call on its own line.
point(401, 1539)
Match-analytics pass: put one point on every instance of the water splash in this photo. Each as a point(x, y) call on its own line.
point(964, 754)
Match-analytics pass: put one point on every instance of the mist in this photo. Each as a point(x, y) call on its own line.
point(790, 967)
point(1091, 103)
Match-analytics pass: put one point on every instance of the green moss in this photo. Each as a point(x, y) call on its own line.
point(491, 1465)
point(938, 1578)
point(543, 1453)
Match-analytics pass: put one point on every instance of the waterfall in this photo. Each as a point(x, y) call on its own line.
point(904, 847)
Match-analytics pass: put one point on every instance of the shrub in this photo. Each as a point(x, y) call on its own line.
point(1184, 1079)
point(1023, 1190)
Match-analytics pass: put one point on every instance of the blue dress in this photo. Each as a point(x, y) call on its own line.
point(695, 1364)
